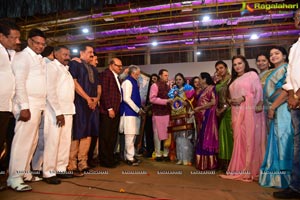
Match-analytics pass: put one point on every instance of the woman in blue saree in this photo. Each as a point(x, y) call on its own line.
point(276, 168)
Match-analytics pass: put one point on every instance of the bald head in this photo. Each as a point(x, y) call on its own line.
point(115, 65)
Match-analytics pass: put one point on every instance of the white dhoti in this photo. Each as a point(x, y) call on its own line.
point(130, 125)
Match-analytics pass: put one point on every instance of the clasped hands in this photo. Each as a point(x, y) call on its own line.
point(92, 102)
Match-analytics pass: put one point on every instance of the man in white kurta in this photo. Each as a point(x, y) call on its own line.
point(9, 39)
point(293, 87)
point(130, 112)
point(59, 113)
point(28, 105)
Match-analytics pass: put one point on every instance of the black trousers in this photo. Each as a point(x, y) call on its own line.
point(92, 147)
point(109, 129)
point(149, 136)
point(7, 126)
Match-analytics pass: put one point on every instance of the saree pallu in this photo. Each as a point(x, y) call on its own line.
point(248, 130)
point(207, 140)
point(225, 129)
point(277, 165)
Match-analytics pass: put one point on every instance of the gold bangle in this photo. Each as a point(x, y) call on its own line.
point(296, 97)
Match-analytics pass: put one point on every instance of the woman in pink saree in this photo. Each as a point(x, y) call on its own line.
point(248, 122)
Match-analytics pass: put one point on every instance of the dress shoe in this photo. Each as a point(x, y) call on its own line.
point(52, 180)
point(166, 158)
point(159, 159)
point(92, 163)
point(132, 162)
point(64, 176)
point(137, 159)
point(3, 186)
point(3, 182)
point(114, 165)
point(77, 173)
point(286, 194)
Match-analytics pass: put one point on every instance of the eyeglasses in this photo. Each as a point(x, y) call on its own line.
point(120, 66)
point(38, 43)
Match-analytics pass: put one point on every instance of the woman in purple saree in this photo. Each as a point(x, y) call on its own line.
point(205, 115)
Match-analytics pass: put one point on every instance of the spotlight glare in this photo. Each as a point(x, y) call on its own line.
point(85, 30)
point(75, 50)
point(206, 18)
point(254, 36)
point(154, 43)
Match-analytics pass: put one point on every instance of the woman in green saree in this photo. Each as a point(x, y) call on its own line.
point(224, 116)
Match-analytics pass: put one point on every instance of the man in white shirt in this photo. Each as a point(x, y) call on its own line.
point(292, 86)
point(37, 159)
point(130, 112)
point(28, 105)
point(58, 120)
point(9, 39)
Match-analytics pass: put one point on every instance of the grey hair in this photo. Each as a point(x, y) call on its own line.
point(132, 69)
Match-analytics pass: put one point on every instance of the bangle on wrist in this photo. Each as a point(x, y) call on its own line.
point(244, 99)
point(296, 97)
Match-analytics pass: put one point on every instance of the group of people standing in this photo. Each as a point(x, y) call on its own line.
point(247, 124)
point(55, 105)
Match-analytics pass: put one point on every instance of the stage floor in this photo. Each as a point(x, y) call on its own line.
point(149, 180)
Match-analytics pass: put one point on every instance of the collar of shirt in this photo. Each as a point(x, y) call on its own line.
point(31, 52)
point(10, 51)
point(115, 74)
point(117, 79)
point(61, 65)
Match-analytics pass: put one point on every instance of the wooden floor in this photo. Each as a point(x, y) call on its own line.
point(150, 180)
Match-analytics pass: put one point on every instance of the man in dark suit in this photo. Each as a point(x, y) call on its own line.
point(109, 112)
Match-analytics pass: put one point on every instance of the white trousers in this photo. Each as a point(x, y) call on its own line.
point(37, 159)
point(23, 147)
point(129, 146)
point(57, 142)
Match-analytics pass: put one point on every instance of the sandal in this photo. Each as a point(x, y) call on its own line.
point(33, 179)
point(21, 187)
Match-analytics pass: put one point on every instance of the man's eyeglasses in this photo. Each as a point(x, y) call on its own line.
point(118, 65)
point(38, 43)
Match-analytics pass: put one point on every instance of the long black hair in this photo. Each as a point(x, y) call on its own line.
point(234, 74)
point(282, 50)
point(193, 80)
point(207, 77)
point(267, 57)
point(181, 75)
